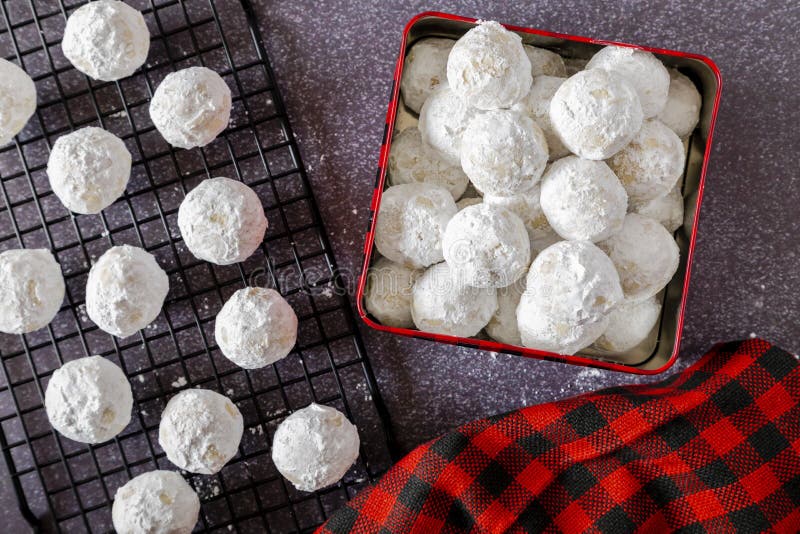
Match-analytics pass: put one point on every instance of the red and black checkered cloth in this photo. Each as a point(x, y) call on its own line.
point(713, 449)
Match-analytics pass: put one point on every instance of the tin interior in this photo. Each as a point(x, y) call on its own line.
point(660, 346)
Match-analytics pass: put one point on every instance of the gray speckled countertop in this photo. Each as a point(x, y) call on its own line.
point(334, 61)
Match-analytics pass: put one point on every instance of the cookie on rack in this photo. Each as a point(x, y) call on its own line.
point(125, 290)
point(18, 98)
point(314, 447)
point(106, 40)
point(200, 430)
point(222, 221)
point(256, 327)
point(89, 400)
point(158, 502)
point(31, 290)
point(88, 169)
point(191, 107)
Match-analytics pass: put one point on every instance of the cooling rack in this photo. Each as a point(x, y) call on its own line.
point(66, 486)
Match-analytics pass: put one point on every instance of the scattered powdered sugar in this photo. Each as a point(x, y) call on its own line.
point(180, 382)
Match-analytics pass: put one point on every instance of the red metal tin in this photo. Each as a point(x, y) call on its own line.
point(704, 73)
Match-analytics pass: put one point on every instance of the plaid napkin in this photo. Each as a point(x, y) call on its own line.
point(715, 448)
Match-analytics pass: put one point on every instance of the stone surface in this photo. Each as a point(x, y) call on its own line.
point(334, 67)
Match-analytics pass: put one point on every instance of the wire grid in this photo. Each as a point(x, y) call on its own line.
point(67, 486)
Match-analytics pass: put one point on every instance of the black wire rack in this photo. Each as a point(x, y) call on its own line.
point(66, 486)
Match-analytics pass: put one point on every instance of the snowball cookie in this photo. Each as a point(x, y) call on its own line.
point(411, 223)
point(595, 113)
point(17, 100)
point(644, 254)
point(502, 326)
point(648, 76)
point(629, 324)
point(107, 40)
point(571, 288)
point(488, 67)
point(537, 106)
point(89, 400)
point(156, 502)
point(443, 304)
point(191, 107)
point(503, 152)
point(526, 206)
point(125, 290)
point(424, 70)
point(256, 327)
point(583, 199)
point(682, 111)
point(544, 62)
point(31, 290)
point(222, 221)
point(200, 430)
point(89, 169)
point(651, 164)
point(667, 210)
point(411, 160)
point(388, 293)
point(486, 246)
point(442, 121)
point(314, 447)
